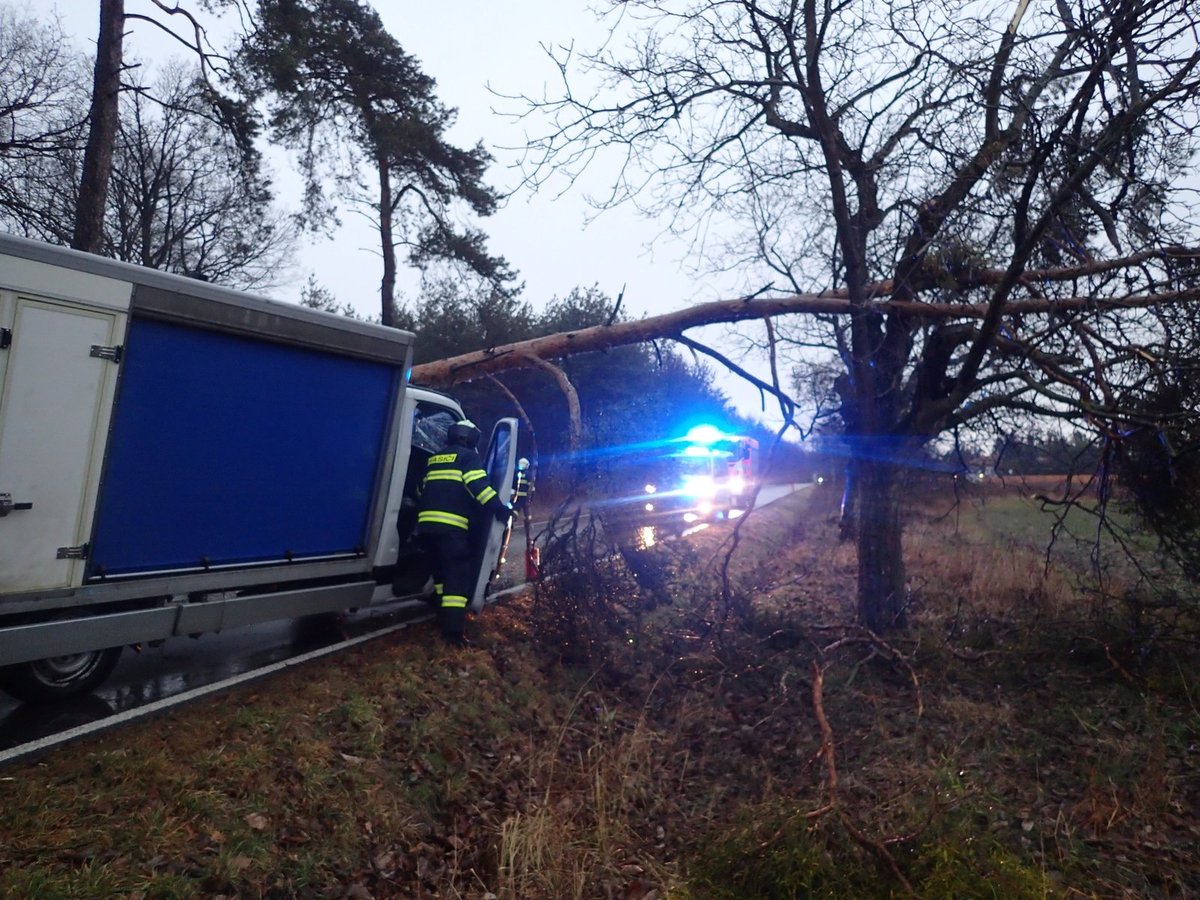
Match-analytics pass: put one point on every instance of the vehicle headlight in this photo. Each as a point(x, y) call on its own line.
point(700, 486)
point(737, 484)
point(650, 489)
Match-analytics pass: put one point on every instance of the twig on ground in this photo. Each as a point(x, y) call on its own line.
point(827, 750)
point(866, 636)
point(827, 745)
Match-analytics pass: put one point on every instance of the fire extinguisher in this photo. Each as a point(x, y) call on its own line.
point(533, 562)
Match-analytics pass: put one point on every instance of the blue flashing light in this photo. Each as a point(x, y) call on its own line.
point(704, 434)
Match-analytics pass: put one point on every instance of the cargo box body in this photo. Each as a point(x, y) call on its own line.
point(164, 438)
point(229, 451)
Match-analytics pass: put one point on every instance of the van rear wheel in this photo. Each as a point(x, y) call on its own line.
point(58, 677)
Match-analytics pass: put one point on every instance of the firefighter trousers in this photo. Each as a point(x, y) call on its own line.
point(450, 558)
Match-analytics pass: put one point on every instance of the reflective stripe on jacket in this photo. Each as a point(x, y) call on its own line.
point(522, 487)
point(454, 484)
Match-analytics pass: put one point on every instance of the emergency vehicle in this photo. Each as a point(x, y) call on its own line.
point(706, 474)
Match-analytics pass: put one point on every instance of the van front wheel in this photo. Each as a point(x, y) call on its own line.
point(58, 677)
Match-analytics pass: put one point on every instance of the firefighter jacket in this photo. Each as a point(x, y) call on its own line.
point(455, 484)
point(521, 488)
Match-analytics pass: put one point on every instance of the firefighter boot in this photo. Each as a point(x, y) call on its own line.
point(453, 621)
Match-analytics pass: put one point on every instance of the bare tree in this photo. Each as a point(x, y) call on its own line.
point(184, 189)
point(42, 111)
point(107, 84)
point(989, 189)
point(37, 68)
point(184, 197)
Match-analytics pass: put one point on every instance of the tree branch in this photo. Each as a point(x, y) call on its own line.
point(575, 437)
point(468, 366)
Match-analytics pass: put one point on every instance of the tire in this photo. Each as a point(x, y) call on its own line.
point(58, 677)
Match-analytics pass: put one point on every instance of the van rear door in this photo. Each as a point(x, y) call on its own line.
point(57, 380)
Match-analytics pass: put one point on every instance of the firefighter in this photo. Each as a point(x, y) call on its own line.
point(522, 486)
point(522, 489)
point(454, 487)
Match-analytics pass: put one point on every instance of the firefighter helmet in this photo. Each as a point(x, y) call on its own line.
point(522, 464)
point(464, 433)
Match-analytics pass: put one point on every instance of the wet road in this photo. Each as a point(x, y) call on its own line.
point(180, 664)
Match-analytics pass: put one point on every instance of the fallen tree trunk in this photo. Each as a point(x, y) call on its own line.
point(490, 361)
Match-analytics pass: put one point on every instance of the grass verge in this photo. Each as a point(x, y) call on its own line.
point(736, 737)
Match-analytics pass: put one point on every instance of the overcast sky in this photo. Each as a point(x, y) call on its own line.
point(547, 237)
point(554, 238)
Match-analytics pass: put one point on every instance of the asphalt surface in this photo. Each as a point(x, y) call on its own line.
point(180, 665)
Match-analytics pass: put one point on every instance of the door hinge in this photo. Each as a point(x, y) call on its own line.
point(5, 338)
point(113, 354)
point(79, 552)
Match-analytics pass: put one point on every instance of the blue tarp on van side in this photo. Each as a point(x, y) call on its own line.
point(229, 450)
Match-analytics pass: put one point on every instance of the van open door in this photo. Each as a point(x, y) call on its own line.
point(501, 464)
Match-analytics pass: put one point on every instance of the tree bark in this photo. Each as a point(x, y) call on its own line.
point(387, 285)
point(848, 511)
point(881, 582)
point(102, 130)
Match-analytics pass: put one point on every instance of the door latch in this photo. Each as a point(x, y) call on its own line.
point(7, 505)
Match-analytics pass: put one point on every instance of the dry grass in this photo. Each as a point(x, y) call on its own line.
point(577, 835)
